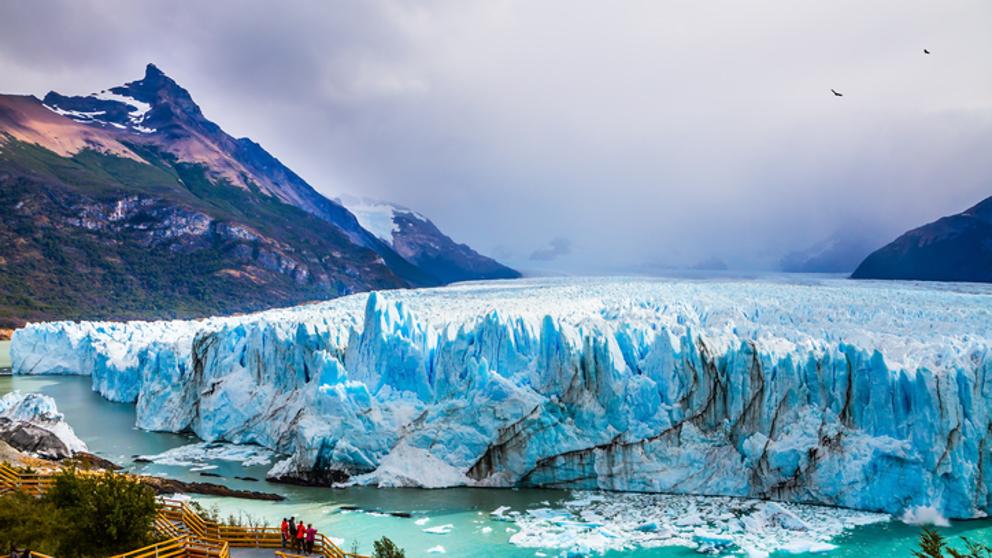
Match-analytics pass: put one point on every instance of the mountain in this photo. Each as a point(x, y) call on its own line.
point(840, 253)
point(420, 242)
point(953, 248)
point(130, 203)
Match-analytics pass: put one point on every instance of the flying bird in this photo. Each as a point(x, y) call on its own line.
point(925, 51)
point(836, 94)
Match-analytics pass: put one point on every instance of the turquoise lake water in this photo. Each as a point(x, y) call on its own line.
point(361, 515)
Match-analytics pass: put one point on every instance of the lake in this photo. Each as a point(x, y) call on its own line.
point(357, 516)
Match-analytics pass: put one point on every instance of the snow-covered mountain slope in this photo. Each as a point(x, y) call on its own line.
point(862, 395)
point(421, 243)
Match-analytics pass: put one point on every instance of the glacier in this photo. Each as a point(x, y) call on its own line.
point(865, 395)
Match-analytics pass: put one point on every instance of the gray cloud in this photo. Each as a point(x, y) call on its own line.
point(557, 247)
point(656, 132)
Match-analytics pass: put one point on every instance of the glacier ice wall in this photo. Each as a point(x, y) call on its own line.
point(872, 396)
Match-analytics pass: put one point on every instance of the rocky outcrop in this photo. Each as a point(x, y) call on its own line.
point(166, 486)
point(32, 439)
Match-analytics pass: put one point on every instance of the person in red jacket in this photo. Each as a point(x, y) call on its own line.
point(311, 537)
point(301, 533)
point(285, 532)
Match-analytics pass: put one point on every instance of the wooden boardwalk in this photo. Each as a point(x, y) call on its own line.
point(187, 534)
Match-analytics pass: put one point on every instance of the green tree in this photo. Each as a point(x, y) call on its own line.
point(385, 548)
point(27, 522)
point(102, 513)
point(933, 545)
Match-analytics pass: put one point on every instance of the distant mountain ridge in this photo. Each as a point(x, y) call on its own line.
point(166, 215)
point(841, 252)
point(418, 240)
point(953, 248)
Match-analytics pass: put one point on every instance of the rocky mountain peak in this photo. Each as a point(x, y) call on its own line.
point(152, 71)
point(155, 102)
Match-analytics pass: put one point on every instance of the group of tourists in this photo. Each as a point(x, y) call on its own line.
point(297, 536)
point(14, 553)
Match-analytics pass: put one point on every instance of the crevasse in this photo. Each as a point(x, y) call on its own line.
point(863, 395)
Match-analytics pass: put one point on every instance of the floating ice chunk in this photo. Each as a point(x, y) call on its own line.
point(195, 455)
point(422, 521)
point(440, 529)
point(407, 466)
point(487, 530)
point(774, 513)
point(628, 521)
point(803, 547)
point(712, 542)
point(436, 550)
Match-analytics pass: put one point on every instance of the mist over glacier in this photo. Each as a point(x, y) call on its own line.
point(865, 395)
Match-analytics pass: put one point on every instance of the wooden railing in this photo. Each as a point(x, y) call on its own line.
point(176, 511)
point(175, 546)
point(31, 483)
point(240, 536)
point(186, 546)
point(187, 533)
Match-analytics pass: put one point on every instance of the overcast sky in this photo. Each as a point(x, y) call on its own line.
point(573, 136)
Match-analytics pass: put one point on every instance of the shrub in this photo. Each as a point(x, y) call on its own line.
point(27, 522)
point(933, 545)
point(385, 548)
point(102, 514)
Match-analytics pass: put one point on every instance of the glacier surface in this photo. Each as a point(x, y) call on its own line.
point(864, 395)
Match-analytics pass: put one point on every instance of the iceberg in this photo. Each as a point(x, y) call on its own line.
point(197, 455)
point(864, 395)
point(30, 422)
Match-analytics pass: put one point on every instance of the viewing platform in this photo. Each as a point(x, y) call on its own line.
point(187, 534)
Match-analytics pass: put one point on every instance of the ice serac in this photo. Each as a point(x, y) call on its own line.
point(31, 423)
point(860, 395)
